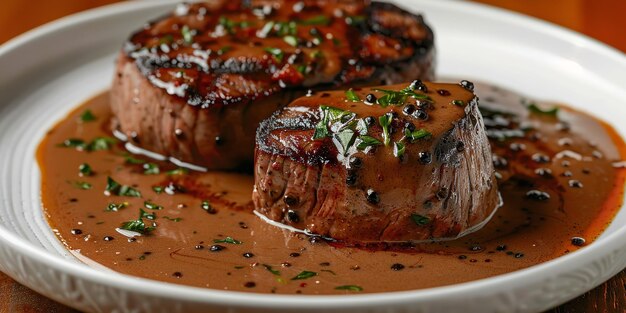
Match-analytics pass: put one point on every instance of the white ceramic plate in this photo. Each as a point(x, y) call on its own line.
point(48, 71)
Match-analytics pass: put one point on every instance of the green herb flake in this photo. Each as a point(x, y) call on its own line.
point(315, 54)
point(304, 275)
point(224, 49)
point(416, 134)
point(142, 257)
point(146, 215)
point(316, 20)
point(187, 35)
point(158, 189)
point(534, 108)
point(276, 53)
point(85, 170)
point(137, 225)
point(178, 171)
point(344, 140)
point(392, 97)
point(367, 141)
point(420, 220)
point(352, 96)
point(385, 123)
point(151, 206)
point(151, 169)
point(458, 102)
point(79, 144)
point(115, 188)
point(291, 40)
point(270, 269)
point(114, 207)
point(175, 220)
point(355, 20)
point(398, 149)
point(349, 288)
point(87, 116)
point(101, 143)
point(328, 115)
point(129, 159)
point(229, 240)
point(82, 185)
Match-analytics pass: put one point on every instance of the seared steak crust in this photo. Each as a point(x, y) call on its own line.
point(432, 179)
point(194, 85)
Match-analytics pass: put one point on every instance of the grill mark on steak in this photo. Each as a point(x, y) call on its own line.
point(411, 207)
point(208, 62)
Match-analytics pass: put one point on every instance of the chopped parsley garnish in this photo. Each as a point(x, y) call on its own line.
point(158, 189)
point(178, 171)
point(114, 207)
point(398, 149)
point(129, 159)
point(392, 97)
point(316, 20)
point(151, 169)
point(328, 115)
point(176, 220)
point(224, 49)
point(354, 20)
point(420, 220)
point(152, 206)
point(82, 185)
point(276, 53)
point(115, 188)
point(101, 143)
point(316, 54)
point(349, 288)
point(270, 269)
point(352, 96)
point(304, 275)
point(533, 108)
point(367, 141)
point(85, 170)
point(385, 123)
point(229, 240)
point(137, 225)
point(187, 35)
point(458, 102)
point(79, 144)
point(144, 214)
point(416, 134)
point(344, 140)
point(291, 40)
point(87, 116)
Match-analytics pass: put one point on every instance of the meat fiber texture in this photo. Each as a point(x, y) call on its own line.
point(323, 166)
point(194, 85)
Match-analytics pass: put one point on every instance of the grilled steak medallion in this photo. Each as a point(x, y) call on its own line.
point(392, 163)
point(195, 84)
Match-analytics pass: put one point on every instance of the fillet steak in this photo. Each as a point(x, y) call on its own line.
point(194, 85)
point(395, 163)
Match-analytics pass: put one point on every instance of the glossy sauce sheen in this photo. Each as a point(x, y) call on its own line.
point(265, 259)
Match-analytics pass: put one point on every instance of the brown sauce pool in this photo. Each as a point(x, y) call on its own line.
point(207, 236)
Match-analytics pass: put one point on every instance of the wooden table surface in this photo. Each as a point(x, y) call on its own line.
point(600, 19)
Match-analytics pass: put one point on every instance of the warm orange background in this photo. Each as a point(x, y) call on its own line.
point(604, 20)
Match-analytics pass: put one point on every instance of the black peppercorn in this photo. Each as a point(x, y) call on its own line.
point(356, 162)
point(199, 247)
point(397, 267)
point(467, 85)
point(540, 158)
point(408, 109)
point(76, 231)
point(294, 254)
point(575, 183)
point(420, 115)
point(292, 216)
point(499, 162)
point(460, 146)
point(370, 121)
point(290, 200)
point(578, 241)
point(501, 247)
point(351, 179)
point(108, 238)
point(250, 284)
point(372, 196)
point(177, 274)
point(424, 157)
point(538, 195)
point(409, 126)
point(248, 255)
point(462, 257)
point(370, 98)
point(219, 140)
point(216, 248)
point(519, 255)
